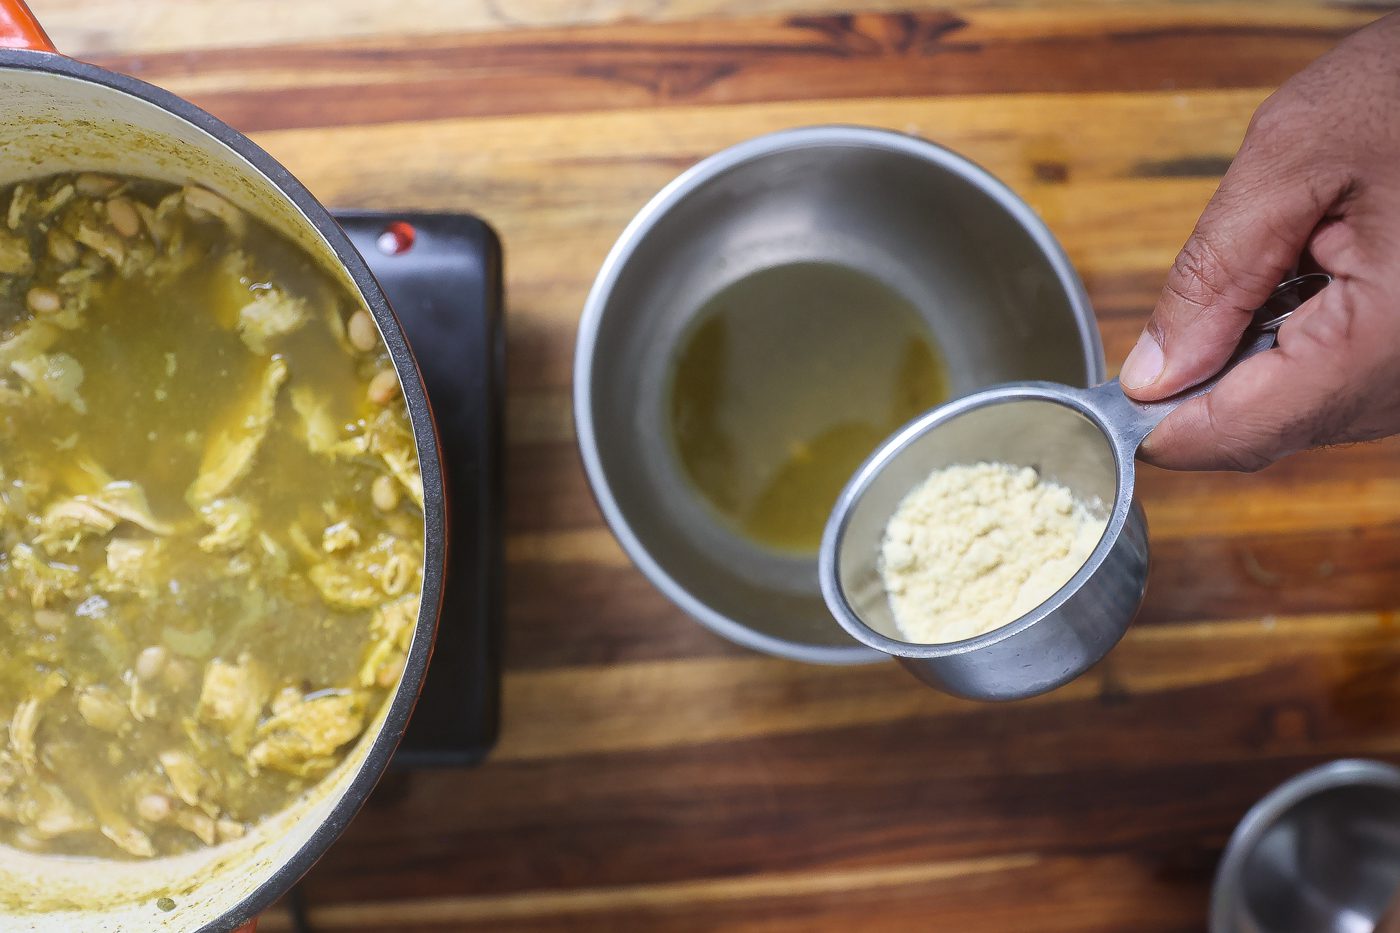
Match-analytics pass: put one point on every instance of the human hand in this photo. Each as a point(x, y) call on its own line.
point(1318, 176)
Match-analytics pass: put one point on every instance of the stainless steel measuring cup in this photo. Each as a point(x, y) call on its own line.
point(1083, 439)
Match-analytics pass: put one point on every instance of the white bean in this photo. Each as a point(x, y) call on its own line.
point(384, 493)
point(364, 336)
point(154, 808)
point(95, 186)
point(63, 247)
point(383, 387)
point(122, 214)
point(150, 662)
point(43, 300)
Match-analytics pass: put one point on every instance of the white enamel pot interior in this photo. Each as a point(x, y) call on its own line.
point(59, 115)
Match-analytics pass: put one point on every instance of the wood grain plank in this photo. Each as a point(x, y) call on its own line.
point(517, 907)
point(1319, 532)
point(1354, 487)
point(1139, 765)
point(558, 207)
point(1199, 581)
point(93, 27)
point(957, 895)
point(800, 57)
point(583, 614)
point(621, 153)
point(1339, 569)
point(582, 711)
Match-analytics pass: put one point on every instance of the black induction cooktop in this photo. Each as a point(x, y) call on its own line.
point(442, 275)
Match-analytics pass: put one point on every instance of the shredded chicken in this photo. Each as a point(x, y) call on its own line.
point(345, 586)
point(127, 837)
point(104, 243)
point(47, 583)
point(232, 699)
point(15, 258)
point(392, 630)
point(318, 427)
point(34, 338)
point(133, 566)
point(270, 315)
point(322, 435)
point(360, 579)
point(303, 738)
point(203, 204)
point(66, 522)
point(390, 438)
point(50, 813)
point(189, 781)
point(102, 709)
point(23, 726)
point(60, 197)
point(19, 205)
point(231, 449)
point(230, 829)
point(201, 824)
point(54, 377)
point(127, 501)
point(143, 702)
point(231, 525)
point(341, 536)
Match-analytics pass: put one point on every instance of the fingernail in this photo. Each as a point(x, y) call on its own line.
point(1143, 365)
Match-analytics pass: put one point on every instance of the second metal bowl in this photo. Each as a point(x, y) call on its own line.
point(1320, 854)
point(996, 291)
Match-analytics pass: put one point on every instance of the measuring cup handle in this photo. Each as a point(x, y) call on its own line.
point(1133, 420)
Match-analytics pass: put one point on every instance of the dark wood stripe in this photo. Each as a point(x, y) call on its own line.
point(1205, 166)
point(1064, 894)
point(1166, 773)
point(567, 615)
point(644, 65)
point(1343, 569)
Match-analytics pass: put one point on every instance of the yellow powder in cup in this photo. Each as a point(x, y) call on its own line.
point(974, 547)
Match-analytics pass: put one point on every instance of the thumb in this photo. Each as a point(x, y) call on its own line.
point(1248, 238)
point(1297, 395)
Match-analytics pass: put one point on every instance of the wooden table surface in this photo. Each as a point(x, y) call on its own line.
point(651, 775)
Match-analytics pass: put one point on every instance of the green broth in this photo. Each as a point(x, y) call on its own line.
point(788, 380)
point(211, 537)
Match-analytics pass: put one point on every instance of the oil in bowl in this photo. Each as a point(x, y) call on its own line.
point(700, 418)
point(785, 382)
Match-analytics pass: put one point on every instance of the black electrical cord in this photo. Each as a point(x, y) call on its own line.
point(296, 910)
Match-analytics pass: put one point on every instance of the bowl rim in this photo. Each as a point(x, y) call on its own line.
point(1344, 772)
point(666, 200)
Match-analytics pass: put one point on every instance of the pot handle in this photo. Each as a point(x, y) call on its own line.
point(20, 30)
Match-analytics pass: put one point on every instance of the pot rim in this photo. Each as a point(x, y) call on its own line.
point(655, 210)
point(425, 436)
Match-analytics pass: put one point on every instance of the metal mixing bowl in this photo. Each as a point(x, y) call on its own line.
point(997, 292)
point(1320, 854)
